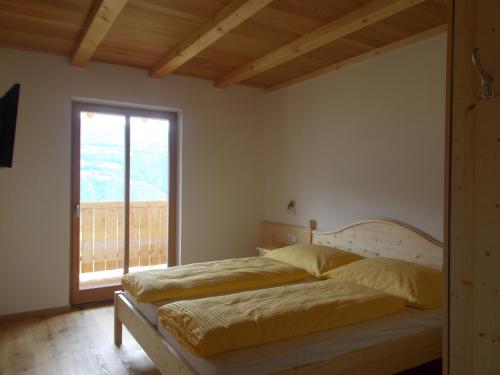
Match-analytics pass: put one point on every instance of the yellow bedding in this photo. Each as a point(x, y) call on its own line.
point(203, 279)
point(213, 325)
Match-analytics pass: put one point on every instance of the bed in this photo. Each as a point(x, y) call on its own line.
point(385, 345)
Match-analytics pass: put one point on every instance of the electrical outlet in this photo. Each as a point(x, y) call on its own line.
point(292, 238)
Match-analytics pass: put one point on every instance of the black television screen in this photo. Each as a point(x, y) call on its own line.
point(8, 117)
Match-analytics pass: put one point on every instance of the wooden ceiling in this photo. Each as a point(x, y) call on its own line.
point(261, 43)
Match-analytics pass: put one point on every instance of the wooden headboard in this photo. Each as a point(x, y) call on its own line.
point(276, 234)
point(387, 238)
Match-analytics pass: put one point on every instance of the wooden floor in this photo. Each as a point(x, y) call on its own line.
point(81, 342)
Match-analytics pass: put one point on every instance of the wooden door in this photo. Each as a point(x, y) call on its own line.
point(474, 215)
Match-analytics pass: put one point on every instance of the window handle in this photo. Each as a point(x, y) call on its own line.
point(76, 208)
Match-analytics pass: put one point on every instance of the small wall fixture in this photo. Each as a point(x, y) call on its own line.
point(291, 206)
point(487, 90)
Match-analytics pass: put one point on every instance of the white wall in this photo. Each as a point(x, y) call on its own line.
point(366, 141)
point(222, 158)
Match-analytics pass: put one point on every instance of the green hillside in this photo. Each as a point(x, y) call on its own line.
point(103, 160)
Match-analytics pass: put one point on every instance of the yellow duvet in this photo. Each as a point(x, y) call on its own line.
point(214, 325)
point(203, 279)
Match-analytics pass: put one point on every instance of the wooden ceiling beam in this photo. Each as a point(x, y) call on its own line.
point(235, 13)
point(362, 17)
point(103, 14)
point(364, 56)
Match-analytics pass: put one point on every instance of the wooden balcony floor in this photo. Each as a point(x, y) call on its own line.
point(100, 279)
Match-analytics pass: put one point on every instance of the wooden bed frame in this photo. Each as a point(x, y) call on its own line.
point(369, 238)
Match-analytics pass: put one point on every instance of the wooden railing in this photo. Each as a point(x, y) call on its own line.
point(102, 235)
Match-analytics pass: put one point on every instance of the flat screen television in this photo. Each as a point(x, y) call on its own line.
point(8, 118)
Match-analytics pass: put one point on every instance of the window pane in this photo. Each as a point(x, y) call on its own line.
point(102, 194)
point(149, 174)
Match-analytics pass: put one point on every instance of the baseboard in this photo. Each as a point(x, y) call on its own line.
point(35, 314)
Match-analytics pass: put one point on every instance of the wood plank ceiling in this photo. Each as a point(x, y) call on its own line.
point(268, 44)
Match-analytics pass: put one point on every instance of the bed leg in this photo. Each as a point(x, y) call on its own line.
point(118, 323)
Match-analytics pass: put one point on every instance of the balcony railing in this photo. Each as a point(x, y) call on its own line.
point(102, 235)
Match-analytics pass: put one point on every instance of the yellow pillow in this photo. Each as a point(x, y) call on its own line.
point(315, 259)
point(421, 286)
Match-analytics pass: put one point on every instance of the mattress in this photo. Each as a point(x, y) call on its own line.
point(148, 310)
point(318, 347)
point(299, 351)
